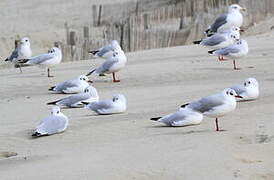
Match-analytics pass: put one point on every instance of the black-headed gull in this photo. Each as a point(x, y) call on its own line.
point(248, 90)
point(22, 51)
point(74, 101)
point(50, 59)
point(55, 123)
point(112, 65)
point(118, 104)
point(235, 51)
point(216, 105)
point(226, 21)
point(72, 86)
point(183, 117)
point(106, 51)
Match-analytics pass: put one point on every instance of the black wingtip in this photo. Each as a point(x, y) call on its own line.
point(36, 134)
point(90, 72)
point(51, 88)
point(7, 59)
point(85, 103)
point(197, 42)
point(93, 52)
point(52, 103)
point(155, 118)
point(211, 52)
point(22, 61)
point(184, 105)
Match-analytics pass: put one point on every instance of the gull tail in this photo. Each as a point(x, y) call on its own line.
point(211, 52)
point(94, 52)
point(91, 72)
point(51, 88)
point(184, 105)
point(197, 42)
point(155, 118)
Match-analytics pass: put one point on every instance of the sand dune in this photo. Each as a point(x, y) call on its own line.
point(129, 146)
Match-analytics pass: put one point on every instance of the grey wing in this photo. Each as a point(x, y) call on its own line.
point(222, 19)
point(104, 50)
point(52, 124)
point(100, 105)
point(239, 89)
point(65, 85)
point(214, 40)
point(14, 55)
point(226, 51)
point(41, 58)
point(174, 117)
point(206, 104)
point(106, 65)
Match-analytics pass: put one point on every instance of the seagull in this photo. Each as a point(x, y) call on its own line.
point(74, 101)
point(221, 40)
point(113, 64)
point(248, 90)
point(216, 105)
point(184, 117)
point(50, 59)
point(226, 21)
point(112, 106)
point(107, 51)
point(21, 51)
point(235, 51)
point(55, 123)
point(72, 86)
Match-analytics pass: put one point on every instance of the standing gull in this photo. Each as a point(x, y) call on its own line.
point(21, 51)
point(113, 64)
point(183, 117)
point(72, 86)
point(74, 101)
point(216, 105)
point(226, 21)
point(118, 104)
point(107, 50)
point(235, 51)
point(50, 59)
point(248, 90)
point(55, 123)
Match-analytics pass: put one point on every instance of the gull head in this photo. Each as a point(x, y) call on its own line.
point(25, 41)
point(115, 45)
point(231, 93)
point(251, 82)
point(235, 7)
point(55, 110)
point(119, 98)
point(84, 78)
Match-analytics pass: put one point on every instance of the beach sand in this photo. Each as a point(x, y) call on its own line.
point(130, 146)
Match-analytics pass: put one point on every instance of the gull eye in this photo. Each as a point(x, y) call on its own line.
point(26, 40)
point(249, 82)
point(231, 93)
point(57, 112)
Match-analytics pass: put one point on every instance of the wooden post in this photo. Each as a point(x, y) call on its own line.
point(94, 15)
point(86, 43)
point(145, 21)
point(99, 16)
point(122, 35)
point(67, 33)
point(128, 34)
point(73, 44)
point(181, 23)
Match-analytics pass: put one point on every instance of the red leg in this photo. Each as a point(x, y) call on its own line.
point(114, 79)
point(235, 68)
point(217, 126)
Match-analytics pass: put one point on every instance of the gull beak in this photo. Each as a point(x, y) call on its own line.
point(243, 9)
point(239, 96)
point(89, 81)
point(242, 30)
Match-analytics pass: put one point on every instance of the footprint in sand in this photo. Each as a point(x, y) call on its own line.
point(7, 154)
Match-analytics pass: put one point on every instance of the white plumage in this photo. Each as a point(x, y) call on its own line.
point(248, 90)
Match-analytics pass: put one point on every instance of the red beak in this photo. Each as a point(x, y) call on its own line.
point(241, 30)
point(89, 81)
point(238, 96)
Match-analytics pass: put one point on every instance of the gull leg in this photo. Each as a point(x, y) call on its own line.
point(235, 68)
point(20, 69)
point(114, 79)
point(217, 126)
point(49, 73)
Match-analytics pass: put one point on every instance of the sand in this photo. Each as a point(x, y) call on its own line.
point(130, 146)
